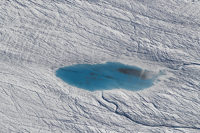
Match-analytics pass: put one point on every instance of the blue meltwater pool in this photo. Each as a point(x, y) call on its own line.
point(111, 75)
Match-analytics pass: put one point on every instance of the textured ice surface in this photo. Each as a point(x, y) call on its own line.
point(38, 37)
point(111, 75)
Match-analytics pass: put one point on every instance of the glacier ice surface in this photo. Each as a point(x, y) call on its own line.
point(38, 37)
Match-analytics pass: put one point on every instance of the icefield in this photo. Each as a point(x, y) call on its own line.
point(39, 36)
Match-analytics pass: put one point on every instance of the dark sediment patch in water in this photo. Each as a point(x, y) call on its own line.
point(106, 76)
point(143, 74)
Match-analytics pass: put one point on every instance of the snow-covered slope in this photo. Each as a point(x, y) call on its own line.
point(37, 37)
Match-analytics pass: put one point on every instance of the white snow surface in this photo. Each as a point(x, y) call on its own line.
point(39, 36)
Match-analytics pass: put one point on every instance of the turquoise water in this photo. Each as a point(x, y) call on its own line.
point(111, 75)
